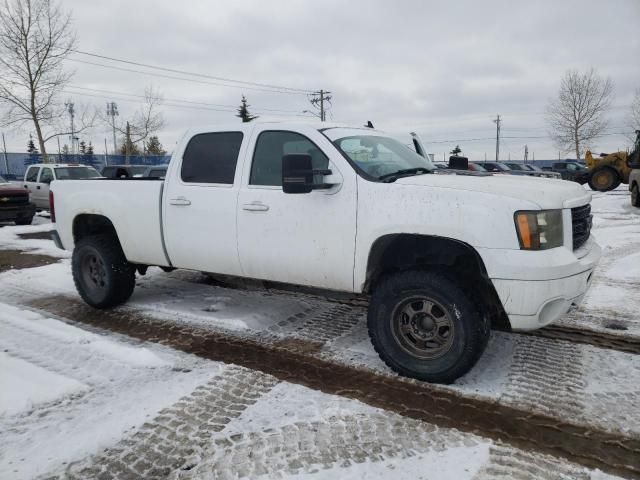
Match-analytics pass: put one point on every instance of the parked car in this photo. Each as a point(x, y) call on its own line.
point(283, 202)
point(156, 171)
point(543, 173)
point(572, 171)
point(476, 167)
point(495, 167)
point(123, 171)
point(522, 169)
point(14, 204)
point(39, 176)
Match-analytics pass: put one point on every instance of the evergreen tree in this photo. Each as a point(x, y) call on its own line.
point(154, 147)
point(456, 151)
point(82, 147)
point(243, 111)
point(89, 158)
point(89, 149)
point(31, 147)
point(127, 144)
point(66, 153)
point(32, 150)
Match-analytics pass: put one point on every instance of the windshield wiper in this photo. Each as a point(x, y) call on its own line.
point(392, 177)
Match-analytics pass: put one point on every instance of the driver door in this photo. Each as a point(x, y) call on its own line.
point(304, 239)
point(41, 191)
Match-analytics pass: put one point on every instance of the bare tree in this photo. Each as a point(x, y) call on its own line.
point(35, 37)
point(576, 116)
point(144, 123)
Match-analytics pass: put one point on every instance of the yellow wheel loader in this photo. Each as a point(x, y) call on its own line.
point(611, 169)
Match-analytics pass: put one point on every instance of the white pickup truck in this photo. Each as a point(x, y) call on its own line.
point(443, 254)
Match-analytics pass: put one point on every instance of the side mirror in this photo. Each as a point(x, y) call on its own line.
point(298, 172)
point(47, 181)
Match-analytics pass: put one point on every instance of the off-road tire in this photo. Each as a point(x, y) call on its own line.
point(604, 173)
point(635, 195)
point(116, 278)
point(471, 329)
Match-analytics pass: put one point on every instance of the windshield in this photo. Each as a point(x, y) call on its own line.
point(476, 168)
point(76, 173)
point(378, 156)
point(515, 166)
point(2, 180)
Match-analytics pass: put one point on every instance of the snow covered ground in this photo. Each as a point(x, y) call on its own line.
point(77, 401)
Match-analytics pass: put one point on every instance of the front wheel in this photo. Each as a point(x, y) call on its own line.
point(604, 179)
point(424, 326)
point(103, 276)
point(24, 220)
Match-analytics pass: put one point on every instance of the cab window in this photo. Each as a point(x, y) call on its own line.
point(211, 158)
point(46, 175)
point(32, 174)
point(271, 146)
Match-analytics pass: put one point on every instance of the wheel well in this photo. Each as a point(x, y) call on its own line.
point(453, 258)
point(89, 224)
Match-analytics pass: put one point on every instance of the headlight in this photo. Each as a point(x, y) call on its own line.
point(539, 229)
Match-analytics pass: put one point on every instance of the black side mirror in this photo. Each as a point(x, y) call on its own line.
point(298, 172)
point(47, 181)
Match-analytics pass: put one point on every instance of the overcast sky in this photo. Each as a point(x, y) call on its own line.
point(442, 69)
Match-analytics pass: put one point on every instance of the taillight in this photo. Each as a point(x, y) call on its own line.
point(52, 207)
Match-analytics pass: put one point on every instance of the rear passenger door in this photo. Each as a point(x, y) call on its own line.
point(200, 203)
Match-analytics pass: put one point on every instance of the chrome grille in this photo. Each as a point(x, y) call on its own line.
point(581, 219)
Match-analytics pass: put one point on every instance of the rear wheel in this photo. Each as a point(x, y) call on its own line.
point(604, 179)
point(423, 325)
point(102, 275)
point(635, 195)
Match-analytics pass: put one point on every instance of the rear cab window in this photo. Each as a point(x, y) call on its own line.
point(211, 158)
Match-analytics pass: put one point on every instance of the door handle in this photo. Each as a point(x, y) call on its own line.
point(38, 187)
point(180, 201)
point(255, 207)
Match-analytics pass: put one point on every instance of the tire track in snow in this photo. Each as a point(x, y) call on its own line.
point(178, 436)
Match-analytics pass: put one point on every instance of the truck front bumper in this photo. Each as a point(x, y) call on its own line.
point(541, 293)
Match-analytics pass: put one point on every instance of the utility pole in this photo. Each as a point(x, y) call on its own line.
point(59, 154)
point(526, 153)
point(112, 111)
point(105, 151)
point(4, 149)
point(318, 100)
point(497, 121)
point(127, 142)
point(72, 112)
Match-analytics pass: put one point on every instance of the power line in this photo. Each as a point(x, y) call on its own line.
point(192, 80)
point(201, 75)
point(99, 90)
point(177, 105)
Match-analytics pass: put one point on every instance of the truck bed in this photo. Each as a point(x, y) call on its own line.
point(139, 229)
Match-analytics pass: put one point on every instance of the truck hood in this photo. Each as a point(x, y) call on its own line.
point(11, 189)
point(544, 192)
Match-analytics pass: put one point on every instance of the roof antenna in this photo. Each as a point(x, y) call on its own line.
point(369, 124)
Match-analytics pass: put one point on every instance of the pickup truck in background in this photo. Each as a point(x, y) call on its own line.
point(572, 171)
point(443, 254)
point(14, 204)
point(39, 176)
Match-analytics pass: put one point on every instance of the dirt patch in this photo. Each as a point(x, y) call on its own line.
point(36, 236)
point(613, 453)
point(17, 259)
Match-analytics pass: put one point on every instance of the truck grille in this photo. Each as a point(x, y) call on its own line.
point(7, 199)
point(581, 223)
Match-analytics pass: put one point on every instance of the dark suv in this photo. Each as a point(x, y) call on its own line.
point(572, 171)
